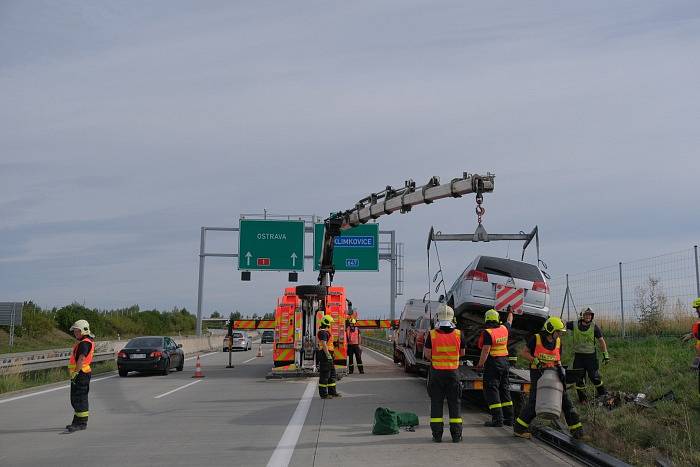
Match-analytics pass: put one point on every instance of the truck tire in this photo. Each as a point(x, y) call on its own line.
point(316, 290)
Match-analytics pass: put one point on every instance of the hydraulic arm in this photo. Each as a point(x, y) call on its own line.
point(391, 200)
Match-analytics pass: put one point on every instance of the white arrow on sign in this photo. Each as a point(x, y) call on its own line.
point(247, 257)
point(294, 259)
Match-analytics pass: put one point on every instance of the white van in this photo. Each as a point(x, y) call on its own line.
point(412, 310)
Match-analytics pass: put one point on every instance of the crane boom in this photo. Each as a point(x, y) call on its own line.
point(391, 200)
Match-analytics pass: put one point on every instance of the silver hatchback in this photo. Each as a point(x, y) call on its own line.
point(241, 340)
point(475, 289)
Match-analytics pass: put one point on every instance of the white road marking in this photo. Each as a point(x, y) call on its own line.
point(46, 391)
point(380, 354)
point(201, 356)
point(285, 448)
point(250, 359)
point(177, 389)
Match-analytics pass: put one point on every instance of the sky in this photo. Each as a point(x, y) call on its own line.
point(127, 126)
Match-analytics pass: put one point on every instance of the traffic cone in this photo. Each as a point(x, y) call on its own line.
point(260, 354)
point(198, 369)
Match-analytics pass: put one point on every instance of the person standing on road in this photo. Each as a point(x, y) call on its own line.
point(354, 340)
point(585, 334)
point(493, 342)
point(543, 351)
point(80, 372)
point(324, 358)
point(443, 347)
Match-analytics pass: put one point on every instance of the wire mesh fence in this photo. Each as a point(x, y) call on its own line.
point(642, 297)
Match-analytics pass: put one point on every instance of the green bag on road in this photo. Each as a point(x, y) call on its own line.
point(407, 419)
point(385, 422)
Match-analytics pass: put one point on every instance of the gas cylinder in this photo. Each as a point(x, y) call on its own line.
point(549, 395)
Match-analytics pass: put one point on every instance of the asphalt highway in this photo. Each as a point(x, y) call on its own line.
point(237, 417)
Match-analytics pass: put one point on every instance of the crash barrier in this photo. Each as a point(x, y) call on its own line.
point(104, 350)
point(382, 345)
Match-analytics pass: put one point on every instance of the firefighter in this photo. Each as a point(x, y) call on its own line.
point(493, 342)
point(324, 358)
point(443, 347)
point(543, 350)
point(80, 372)
point(586, 332)
point(354, 340)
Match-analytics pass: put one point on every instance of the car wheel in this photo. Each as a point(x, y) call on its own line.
point(123, 373)
point(166, 368)
point(181, 365)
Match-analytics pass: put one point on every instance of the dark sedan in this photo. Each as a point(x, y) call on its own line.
point(152, 354)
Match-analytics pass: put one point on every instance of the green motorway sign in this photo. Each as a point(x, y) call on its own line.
point(272, 245)
point(356, 249)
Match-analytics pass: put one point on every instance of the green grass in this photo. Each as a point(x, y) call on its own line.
point(15, 382)
point(652, 366)
point(51, 339)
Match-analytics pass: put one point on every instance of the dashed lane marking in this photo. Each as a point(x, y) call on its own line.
point(177, 389)
point(46, 391)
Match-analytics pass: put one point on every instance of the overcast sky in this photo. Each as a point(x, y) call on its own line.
point(126, 126)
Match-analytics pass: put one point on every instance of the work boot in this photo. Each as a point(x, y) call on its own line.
point(436, 428)
point(351, 369)
point(582, 398)
point(362, 370)
point(73, 423)
point(521, 432)
point(577, 433)
point(456, 432)
point(495, 423)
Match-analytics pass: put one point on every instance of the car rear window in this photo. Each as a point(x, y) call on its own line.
point(510, 268)
point(238, 335)
point(144, 342)
point(268, 333)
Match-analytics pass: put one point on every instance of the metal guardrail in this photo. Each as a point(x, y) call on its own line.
point(54, 358)
point(381, 345)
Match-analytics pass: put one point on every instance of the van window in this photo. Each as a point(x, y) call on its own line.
point(509, 268)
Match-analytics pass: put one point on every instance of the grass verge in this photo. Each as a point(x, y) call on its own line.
point(653, 366)
point(18, 381)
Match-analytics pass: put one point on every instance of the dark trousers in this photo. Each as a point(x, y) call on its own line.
point(79, 389)
point(497, 389)
point(589, 363)
point(326, 375)
point(528, 413)
point(354, 350)
point(444, 384)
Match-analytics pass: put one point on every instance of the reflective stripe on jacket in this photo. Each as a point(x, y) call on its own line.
point(584, 341)
point(72, 362)
point(548, 358)
point(696, 334)
point(499, 341)
point(445, 348)
point(329, 342)
point(353, 336)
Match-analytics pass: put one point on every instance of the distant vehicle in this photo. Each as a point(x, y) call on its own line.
point(150, 354)
point(268, 337)
point(241, 340)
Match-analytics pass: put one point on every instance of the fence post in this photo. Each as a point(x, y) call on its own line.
point(622, 302)
point(697, 272)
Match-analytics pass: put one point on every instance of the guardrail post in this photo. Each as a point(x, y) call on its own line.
point(697, 272)
point(622, 302)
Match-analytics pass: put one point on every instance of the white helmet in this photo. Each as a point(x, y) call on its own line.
point(445, 316)
point(83, 326)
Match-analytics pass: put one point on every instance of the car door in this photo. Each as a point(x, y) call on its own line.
point(171, 348)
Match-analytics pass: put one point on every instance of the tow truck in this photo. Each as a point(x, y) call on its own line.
point(300, 309)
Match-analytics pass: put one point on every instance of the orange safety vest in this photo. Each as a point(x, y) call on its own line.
point(548, 358)
point(696, 334)
point(72, 362)
point(499, 341)
point(354, 336)
point(445, 349)
point(329, 342)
